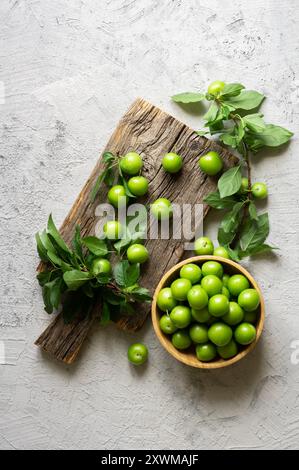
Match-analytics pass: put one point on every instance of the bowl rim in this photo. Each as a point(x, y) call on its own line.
point(186, 358)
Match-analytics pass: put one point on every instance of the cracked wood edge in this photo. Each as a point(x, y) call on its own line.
point(151, 132)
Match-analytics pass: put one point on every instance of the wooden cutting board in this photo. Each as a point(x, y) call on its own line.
point(151, 132)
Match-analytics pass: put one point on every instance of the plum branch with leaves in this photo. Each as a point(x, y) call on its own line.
point(74, 278)
point(233, 117)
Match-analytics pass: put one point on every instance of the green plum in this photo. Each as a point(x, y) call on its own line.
point(229, 350)
point(205, 352)
point(235, 314)
point(172, 162)
point(162, 209)
point(201, 316)
point(181, 316)
point(203, 246)
point(237, 283)
point(180, 288)
point(218, 305)
point(198, 333)
point(221, 251)
point(138, 185)
point(192, 272)
point(259, 190)
point(249, 299)
point(131, 163)
point(181, 339)
point(137, 253)
point(212, 285)
point(211, 163)
point(245, 333)
point(137, 354)
point(165, 300)
point(197, 297)
point(167, 325)
point(216, 87)
point(220, 334)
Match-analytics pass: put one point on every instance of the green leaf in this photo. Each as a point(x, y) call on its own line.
point(54, 258)
point(272, 136)
point(95, 245)
point(44, 277)
point(56, 261)
point(230, 224)
point(62, 254)
point(216, 127)
point(231, 89)
point(52, 294)
point(255, 234)
point(261, 233)
point(42, 252)
point(110, 177)
point(214, 200)
point(88, 290)
point(239, 131)
point(234, 255)
point(103, 279)
point(75, 278)
point(124, 241)
point(125, 274)
point(254, 122)
point(127, 309)
point(43, 244)
point(230, 182)
point(52, 230)
point(140, 294)
point(106, 176)
point(139, 236)
point(226, 109)
point(57, 287)
point(252, 211)
point(188, 97)
point(234, 136)
point(230, 221)
point(125, 184)
point(113, 298)
point(108, 157)
point(202, 133)
point(229, 139)
point(46, 298)
point(46, 241)
point(74, 304)
point(97, 185)
point(247, 99)
point(105, 314)
point(77, 243)
point(211, 114)
point(264, 248)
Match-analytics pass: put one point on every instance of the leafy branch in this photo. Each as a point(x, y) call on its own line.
point(233, 117)
point(112, 174)
point(69, 279)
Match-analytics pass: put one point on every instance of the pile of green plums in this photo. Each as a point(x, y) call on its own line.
point(210, 309)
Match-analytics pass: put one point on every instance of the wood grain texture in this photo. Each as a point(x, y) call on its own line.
point(151, 132)
point(188, 357)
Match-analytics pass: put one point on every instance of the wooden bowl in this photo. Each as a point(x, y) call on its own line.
point(188, 356)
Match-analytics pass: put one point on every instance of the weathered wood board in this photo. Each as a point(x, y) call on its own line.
point(151, 132)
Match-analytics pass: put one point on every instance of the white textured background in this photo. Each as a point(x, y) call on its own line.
point(69, 71)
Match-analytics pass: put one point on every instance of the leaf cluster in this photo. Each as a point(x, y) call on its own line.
point(234, 118)
point(68, 279)
point(112, 174)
